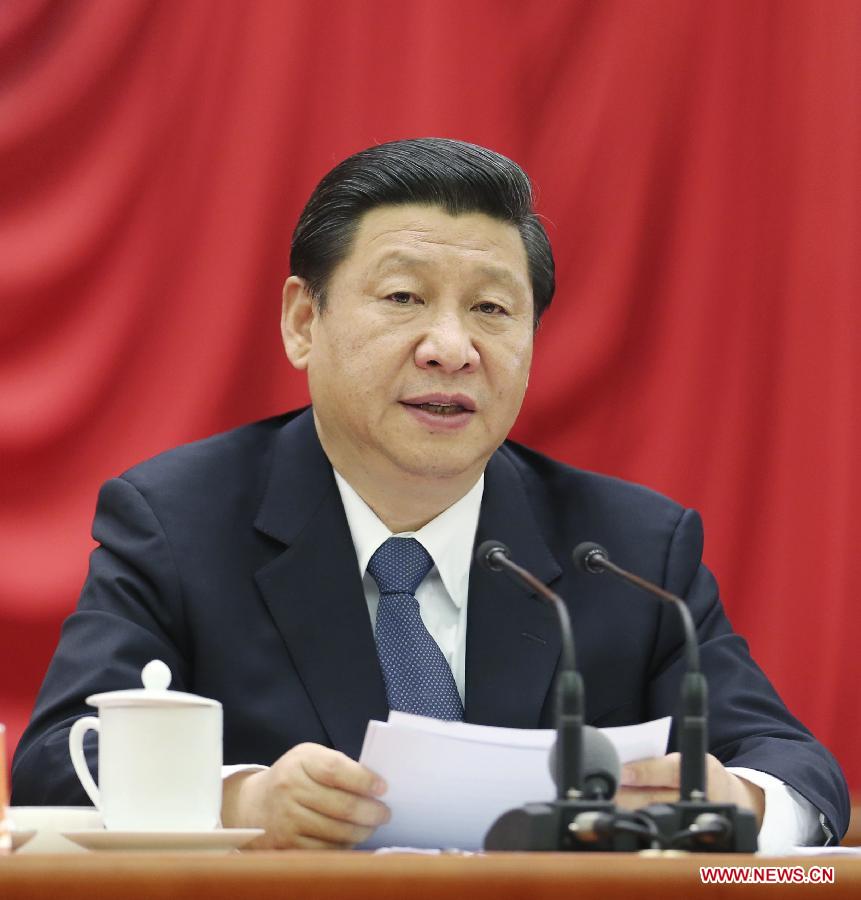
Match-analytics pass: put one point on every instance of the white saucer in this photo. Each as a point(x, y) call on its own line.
point(20, 837)
point(216, 841)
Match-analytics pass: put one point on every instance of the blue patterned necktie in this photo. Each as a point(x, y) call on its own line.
point(418, 678)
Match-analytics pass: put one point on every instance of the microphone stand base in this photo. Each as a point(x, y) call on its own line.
point(560, 826)
point(686, 824)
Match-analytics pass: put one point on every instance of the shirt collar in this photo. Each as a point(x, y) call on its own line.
point(448, 538)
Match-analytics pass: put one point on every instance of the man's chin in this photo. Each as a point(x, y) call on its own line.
point(436, 464)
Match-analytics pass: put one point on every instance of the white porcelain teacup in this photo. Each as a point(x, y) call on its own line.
point(159, 757)
point(49, 823)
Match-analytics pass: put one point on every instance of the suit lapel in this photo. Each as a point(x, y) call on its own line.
point(512, 637)
point(313, 589)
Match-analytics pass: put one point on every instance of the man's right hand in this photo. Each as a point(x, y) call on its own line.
point(312, 798)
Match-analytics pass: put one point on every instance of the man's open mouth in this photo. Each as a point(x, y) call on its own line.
point(439, 404)
point(441, 409)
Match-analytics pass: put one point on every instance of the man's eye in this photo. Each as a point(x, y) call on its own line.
point(402, 297)
point(490, 308)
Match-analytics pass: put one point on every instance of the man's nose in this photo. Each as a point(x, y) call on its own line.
point(447, 345)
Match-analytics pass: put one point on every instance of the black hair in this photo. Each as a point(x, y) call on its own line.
point(454, 175)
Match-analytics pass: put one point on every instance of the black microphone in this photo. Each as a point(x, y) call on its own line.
point(693, 819)
point(581, 817)
point(496, 557)
point(593, 559)
point(601, 766)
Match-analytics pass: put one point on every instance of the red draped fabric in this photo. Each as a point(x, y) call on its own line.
point(697, 165)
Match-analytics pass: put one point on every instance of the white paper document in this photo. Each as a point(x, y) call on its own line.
point(450, 781)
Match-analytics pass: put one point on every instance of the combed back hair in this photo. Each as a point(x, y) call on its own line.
point(456, 176)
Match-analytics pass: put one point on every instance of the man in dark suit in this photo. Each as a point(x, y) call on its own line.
point(259, 564)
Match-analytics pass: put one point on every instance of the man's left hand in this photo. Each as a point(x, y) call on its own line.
point(657, 781)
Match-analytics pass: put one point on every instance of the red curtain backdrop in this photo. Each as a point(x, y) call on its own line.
point(697, 164)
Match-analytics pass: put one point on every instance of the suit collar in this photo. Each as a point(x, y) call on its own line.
point(300, 476)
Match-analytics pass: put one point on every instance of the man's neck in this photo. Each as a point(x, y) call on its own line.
point(408, 504)
point(401, 500)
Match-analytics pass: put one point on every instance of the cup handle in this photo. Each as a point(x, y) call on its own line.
point(79, 761)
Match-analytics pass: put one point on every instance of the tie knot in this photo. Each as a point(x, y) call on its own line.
point(399, 566)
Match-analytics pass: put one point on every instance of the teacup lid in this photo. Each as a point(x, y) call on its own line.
point(156, 678)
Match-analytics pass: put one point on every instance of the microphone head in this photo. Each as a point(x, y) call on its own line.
point(485, 555)
point(602, 769)
point(587, 557)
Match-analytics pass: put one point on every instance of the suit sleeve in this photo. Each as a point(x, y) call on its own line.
point(749, 725)
point(130, 611)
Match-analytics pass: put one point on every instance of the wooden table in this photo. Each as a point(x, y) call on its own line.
point(297, 875)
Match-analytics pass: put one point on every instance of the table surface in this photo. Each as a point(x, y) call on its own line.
point(300, 874)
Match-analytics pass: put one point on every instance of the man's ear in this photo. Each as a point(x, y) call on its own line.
point(298, 311)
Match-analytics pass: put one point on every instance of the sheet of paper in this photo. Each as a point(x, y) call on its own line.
point(449, 781)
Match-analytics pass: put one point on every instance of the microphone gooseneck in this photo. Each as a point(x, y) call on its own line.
point(693, 734)
point(593, 559)
point(692, 820)
point(584, 761)
point(496, 557)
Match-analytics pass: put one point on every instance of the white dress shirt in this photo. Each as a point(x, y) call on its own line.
point(789, 820)
point(442, 595)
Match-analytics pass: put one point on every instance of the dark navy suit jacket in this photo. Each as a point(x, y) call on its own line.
point(231, 560)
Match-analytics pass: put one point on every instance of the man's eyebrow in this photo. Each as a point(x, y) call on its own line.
point(401, 260)
point(398, 260)
point(501, 274)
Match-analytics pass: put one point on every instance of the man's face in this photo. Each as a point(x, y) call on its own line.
point(419, 362)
